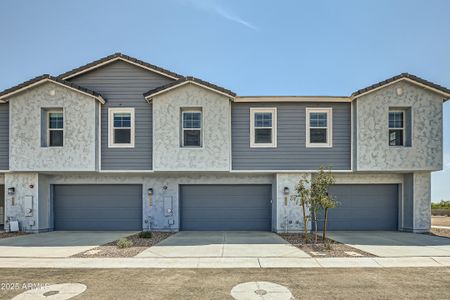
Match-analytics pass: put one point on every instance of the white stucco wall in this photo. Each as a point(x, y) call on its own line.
point(15, 204)
point(167, 153)
point(79, 150)
point(289, 210)
point(372, 150)
point(422, 201)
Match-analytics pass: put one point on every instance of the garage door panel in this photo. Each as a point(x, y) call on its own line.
point(231, 213)
point(225, 207)
point(103, 213)
point(97, 207)
point(363, 207)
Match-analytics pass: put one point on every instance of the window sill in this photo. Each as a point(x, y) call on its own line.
point(192, 147)
point(121, 146)
point(319, 146)
point(263, 146)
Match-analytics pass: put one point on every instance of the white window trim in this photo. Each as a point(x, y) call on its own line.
point(54, 129)
point(111, 112)
point(329, 112)
point(253, 111)
point(191, 110)
point(403, 129)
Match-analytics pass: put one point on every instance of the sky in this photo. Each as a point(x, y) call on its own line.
point(253, 47)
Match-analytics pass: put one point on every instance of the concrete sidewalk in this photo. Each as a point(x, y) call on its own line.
point(224, 262)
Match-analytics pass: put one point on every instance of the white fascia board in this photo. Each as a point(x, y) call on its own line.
point(150, 97)
point(122, 59)
point(99, 98)
point(447, 95)
point(264, 99)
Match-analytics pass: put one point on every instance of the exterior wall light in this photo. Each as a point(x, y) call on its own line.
point(11, 191)
point(286, 190)
point(150, 191)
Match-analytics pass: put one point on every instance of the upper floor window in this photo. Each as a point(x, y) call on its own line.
point(263, 127)
point(191, 127)
point(396, 128)
point(121, 128)
point(55, 128)
point(319, 127)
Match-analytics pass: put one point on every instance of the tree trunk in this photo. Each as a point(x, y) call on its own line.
point(305, 223)
point(315, 226)
point(325, 225)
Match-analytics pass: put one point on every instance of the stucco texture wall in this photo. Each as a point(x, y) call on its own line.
point(214, 155)
point(289, 210)
point(25, 184)
point(79, 150)
point(422, 201)
point(373, 151)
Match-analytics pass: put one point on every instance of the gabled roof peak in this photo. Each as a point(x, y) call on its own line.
point(44, 78)
point(114, 57)
point(185, 80)
point(404, 76)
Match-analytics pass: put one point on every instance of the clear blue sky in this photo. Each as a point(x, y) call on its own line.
point(254, 47)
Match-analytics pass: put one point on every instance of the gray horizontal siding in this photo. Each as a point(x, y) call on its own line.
point(122, 85)
point(291, 152)
point(4, 136)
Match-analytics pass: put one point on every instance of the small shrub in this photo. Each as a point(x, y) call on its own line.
point(145, 234)
point(328, 245)
point(124, 243)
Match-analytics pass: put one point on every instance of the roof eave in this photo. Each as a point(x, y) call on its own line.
point(425, 86)
point(115, 57)
point(3, 98)
point(150, 96)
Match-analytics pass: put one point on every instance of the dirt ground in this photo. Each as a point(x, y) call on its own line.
point(139, 245)
point(411, 283)
point(440, 221)
point(329, 249)
point(4, 235)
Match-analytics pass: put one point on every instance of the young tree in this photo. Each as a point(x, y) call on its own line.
point(327, 203)
point(304, 194)
point(320, 199)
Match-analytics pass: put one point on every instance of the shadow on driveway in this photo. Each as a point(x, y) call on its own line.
point(394, 244)
point(56, 243)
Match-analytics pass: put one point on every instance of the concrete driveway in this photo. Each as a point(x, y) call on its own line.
point(394, 244)
point(223, 244)
point(56, 243)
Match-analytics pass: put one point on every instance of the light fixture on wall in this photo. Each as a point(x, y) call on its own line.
point(11, 191)
point(150, 191)
point(165, 188)
point(286, 190)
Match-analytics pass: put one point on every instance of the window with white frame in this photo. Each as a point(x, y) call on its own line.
point(396, 128)
point(319, 127)
point(55, 128)
point(191, 127)
point(263, 127)
point(121, 128)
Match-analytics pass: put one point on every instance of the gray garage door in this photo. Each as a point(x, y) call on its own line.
point(225, 207)
point(364, 207)
point(97, 207)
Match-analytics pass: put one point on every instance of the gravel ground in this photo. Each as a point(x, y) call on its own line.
point(440, 221)
point(329, 249)
point(216, 284)
point(139, 245)
point(440, 232)
point(4, 235)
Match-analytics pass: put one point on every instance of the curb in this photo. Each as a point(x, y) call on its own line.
point(225, 262)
